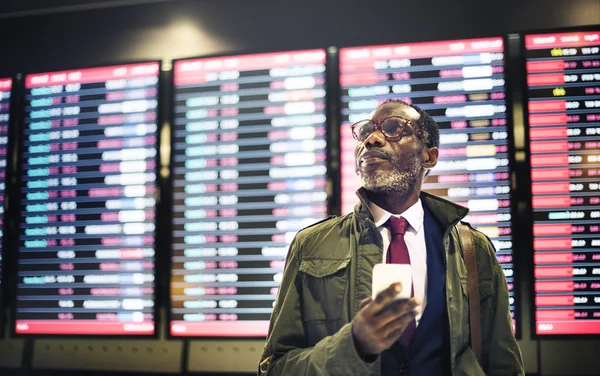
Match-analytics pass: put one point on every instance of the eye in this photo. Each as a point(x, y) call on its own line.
point(393, 127)
point(365, 129)
point(407, 130)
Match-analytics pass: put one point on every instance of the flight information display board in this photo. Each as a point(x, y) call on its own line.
point(86, 241)
point(249, 171)
point(5, 92)
point(563, 85)
point(461, 85)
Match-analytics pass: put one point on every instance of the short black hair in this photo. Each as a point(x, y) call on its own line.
point(430, 131)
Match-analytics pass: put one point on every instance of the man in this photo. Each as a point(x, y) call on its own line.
point(324, 321)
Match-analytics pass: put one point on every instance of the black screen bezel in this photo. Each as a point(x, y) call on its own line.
point(19, 174)
point(528, 180)
point(329, 114)
point(511, 155)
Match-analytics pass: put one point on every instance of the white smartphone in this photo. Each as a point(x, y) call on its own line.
point(386, 274)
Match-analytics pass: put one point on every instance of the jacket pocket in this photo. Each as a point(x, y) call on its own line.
point(486, 289)
point(324, 284)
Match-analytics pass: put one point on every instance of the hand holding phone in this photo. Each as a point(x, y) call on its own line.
point(382, 320)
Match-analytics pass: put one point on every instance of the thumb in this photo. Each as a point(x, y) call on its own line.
point(365, 302)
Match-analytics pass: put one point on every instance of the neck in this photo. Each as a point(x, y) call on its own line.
point(393, 203)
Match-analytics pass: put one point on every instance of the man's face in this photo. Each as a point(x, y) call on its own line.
point(390, 167)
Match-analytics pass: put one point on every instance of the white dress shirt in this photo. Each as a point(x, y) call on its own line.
point(415, 241)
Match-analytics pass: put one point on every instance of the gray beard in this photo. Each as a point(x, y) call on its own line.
point(398, 182)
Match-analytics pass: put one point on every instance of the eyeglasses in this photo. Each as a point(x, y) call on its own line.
point(393, 128)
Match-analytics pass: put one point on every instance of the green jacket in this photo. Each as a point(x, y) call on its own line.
point(328, 273)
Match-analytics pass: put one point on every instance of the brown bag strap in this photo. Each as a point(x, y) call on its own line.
point(468, 251)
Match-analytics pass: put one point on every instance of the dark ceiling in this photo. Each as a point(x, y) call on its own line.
point(32, 7)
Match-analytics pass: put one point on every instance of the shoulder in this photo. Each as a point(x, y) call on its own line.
point(481, 241)
point(487, 263)
point(320, 227)
point(323, 236)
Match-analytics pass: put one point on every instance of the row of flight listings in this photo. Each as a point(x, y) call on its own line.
point(249, 171)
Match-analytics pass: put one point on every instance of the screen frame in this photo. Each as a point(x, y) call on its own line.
point(513, 166)
point(329, 117)
point(514, 191)
point(19, 173)
point(528, 180)
point(6, 288)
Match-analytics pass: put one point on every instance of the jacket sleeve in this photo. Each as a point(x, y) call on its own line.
point(503, 356)
point(287, 352)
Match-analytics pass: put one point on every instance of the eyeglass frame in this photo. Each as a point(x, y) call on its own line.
point(379, 126)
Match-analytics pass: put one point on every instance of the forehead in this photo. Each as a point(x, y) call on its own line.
point(395, 109)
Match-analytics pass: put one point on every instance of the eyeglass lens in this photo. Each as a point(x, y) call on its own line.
point(392, 127)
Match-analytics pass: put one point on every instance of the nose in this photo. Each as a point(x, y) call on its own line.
point(375, 139)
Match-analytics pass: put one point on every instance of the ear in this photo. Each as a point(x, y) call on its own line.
point(430, 157)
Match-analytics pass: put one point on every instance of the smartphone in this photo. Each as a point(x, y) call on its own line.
point(386, 274)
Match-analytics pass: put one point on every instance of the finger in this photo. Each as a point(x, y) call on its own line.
point(413, 302)
point(384, 297)
point(365, 302)
point(390, 331)
point(393, 337)
point(395, 310)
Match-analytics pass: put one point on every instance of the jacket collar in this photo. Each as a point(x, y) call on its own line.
point(447, 213)
point(414, 215)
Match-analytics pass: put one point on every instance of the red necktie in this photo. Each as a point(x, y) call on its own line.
point(398, 254)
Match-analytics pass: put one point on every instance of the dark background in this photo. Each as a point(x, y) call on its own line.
point(45, 35)
point(182, 28)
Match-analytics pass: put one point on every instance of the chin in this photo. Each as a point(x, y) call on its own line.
point(398, 191)
point(388, 182)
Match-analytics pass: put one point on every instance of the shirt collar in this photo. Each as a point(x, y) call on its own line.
point(414, 215)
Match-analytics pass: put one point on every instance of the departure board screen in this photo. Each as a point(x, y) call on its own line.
point(88, 178)
point(461, 85)
point(249, 171)
point(5, 92)
point(563, 85)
